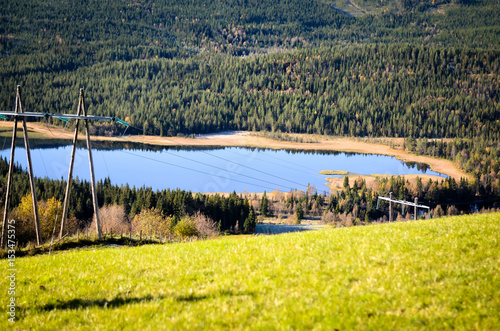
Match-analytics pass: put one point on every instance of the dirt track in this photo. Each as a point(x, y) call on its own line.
point(269, 229)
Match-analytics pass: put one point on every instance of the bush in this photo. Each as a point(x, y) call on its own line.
point(329, 217)
point(48, 212)
point(437, 212)
point(452, 210)
point(113, 219)
point(186, 228)
point(205, 226)
point(152, 221)
point(299, 213)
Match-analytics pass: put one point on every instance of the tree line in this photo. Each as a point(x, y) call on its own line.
point(227, 212)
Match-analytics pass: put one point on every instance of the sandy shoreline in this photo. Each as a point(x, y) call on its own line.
point(250, 139)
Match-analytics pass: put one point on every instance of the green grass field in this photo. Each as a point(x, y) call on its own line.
point(430, 274)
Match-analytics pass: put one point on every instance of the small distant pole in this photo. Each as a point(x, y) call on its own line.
point(416, 203)
point(390, 207)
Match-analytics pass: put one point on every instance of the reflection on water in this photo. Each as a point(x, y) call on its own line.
point(208, 169)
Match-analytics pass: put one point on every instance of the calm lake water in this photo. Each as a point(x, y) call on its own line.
point(209, 170)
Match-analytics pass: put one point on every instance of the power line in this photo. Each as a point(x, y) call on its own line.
point(274, 157)
point(191, 169)
point(43, 162)
point(210, 165)
point(276, 164)
point(216, 167)
point(263, 172)
point(248, 167)
point(210, 154)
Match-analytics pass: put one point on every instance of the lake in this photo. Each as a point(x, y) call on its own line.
point(208, 170)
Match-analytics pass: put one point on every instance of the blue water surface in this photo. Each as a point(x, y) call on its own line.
point(216, 170)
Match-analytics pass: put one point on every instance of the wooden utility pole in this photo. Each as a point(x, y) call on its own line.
point(81, 111)
point(390, 207)
point(38, 230)
point(9, 179)
point(70, 173)
point(92, 176)
point(416, 203)
point(19, 110)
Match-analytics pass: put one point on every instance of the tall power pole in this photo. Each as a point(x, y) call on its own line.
point(81, 111)
point(18, 112)
point(81, 114)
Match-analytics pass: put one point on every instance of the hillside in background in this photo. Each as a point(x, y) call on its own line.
point(178, 66)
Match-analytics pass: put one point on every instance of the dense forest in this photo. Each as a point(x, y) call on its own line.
point(367, 68)
point(171, 66)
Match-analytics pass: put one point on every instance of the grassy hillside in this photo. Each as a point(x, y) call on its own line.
point(433, 274)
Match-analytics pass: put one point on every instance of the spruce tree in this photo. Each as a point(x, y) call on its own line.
point(264, 205)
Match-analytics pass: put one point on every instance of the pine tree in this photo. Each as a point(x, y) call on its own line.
point(299, 212)
point(264, 205)
point(250, 222)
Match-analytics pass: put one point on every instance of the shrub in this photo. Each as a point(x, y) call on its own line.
point(437, 212)
point(205, 226)
point(452, 210)
point(152, 221)
point(113, 219)
point(264, 205)
point(48, 211)
point(186, 228)
point(329, 217)
point(299, 213)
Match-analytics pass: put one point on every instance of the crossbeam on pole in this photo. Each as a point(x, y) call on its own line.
point(19, 114)
point(404, 202)
point(68, 116)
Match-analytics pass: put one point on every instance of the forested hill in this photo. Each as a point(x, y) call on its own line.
point(392, 68)
point(124, 30)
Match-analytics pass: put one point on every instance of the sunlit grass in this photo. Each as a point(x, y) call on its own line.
point(437, 274)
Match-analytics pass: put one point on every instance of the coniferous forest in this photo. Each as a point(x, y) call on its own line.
point(396, 68)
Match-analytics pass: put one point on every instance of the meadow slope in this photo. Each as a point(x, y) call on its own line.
point(429, 274)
